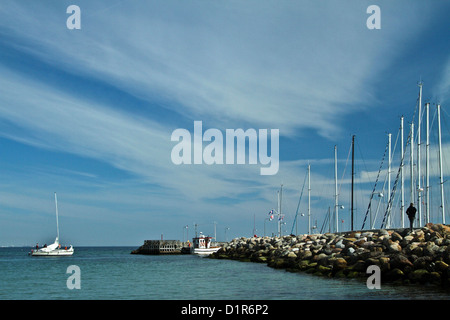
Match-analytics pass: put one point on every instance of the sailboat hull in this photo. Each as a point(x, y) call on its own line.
point(56, 252)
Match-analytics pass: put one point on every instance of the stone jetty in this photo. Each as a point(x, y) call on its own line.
point(421, 256)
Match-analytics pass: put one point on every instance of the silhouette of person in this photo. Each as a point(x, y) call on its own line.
point(411, 212)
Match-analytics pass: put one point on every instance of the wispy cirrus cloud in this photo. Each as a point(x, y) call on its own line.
point(443, 90)
point(300, 67)
point(289, 66)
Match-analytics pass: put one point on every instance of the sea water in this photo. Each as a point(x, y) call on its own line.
point(112, 273)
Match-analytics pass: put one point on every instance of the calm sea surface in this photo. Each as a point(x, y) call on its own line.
point(113, 273)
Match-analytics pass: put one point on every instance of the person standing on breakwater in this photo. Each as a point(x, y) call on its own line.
point(411, 212)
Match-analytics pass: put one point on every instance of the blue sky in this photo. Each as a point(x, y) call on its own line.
point(89, 113)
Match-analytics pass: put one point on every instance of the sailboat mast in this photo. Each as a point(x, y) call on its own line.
point(309, 198)
point(280, 216)
point(419, 193)
point(402, 198)
point(336, 202)
point(353, 175)
point(427, 164)
point(278, 211)
point(388, 223)
point(441, 175)
point(57, 224)
point(412, 162)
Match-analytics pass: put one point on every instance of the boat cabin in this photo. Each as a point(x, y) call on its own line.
point(202, 242)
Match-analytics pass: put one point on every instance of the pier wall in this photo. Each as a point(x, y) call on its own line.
point(160, 247)
point(421, 256)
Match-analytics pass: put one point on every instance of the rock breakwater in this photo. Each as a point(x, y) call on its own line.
point(421, 256)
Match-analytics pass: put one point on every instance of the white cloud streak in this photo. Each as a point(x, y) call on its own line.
point(246, 64)
point(284, 66)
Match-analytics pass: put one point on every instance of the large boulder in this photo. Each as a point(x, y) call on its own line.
point(422, 262)
point(441, 228)
point(400, 261)
point(419, 235)
point(339, 264)
point(395, 275)
point(395, 236)
point(384, 263)
point(394, 247)
point(430, 249)
point(419, 275)
point(441, 266)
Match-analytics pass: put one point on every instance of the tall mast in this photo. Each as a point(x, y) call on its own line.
point(388, 222)
point(336, 199)
point(278, 211)
point(419, 193)
point(412, 162)
point(215, 233)
point(402, 196)
point(57, 225)
point(309, 198)
point(353, 176)
point(441, 175)
point(279, 217)
point(427, 105)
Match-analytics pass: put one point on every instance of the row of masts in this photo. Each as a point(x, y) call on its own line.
point(421, 216)
point(280, 192)
point(419, 188)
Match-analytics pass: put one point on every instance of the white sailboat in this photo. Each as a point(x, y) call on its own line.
point(55, 248)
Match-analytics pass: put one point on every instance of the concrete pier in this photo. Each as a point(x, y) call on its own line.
point(160, 247)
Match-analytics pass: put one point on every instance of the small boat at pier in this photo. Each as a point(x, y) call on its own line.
point(202, 245)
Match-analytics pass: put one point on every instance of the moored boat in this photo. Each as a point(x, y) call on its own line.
point(202, 245)
point(55, 248)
